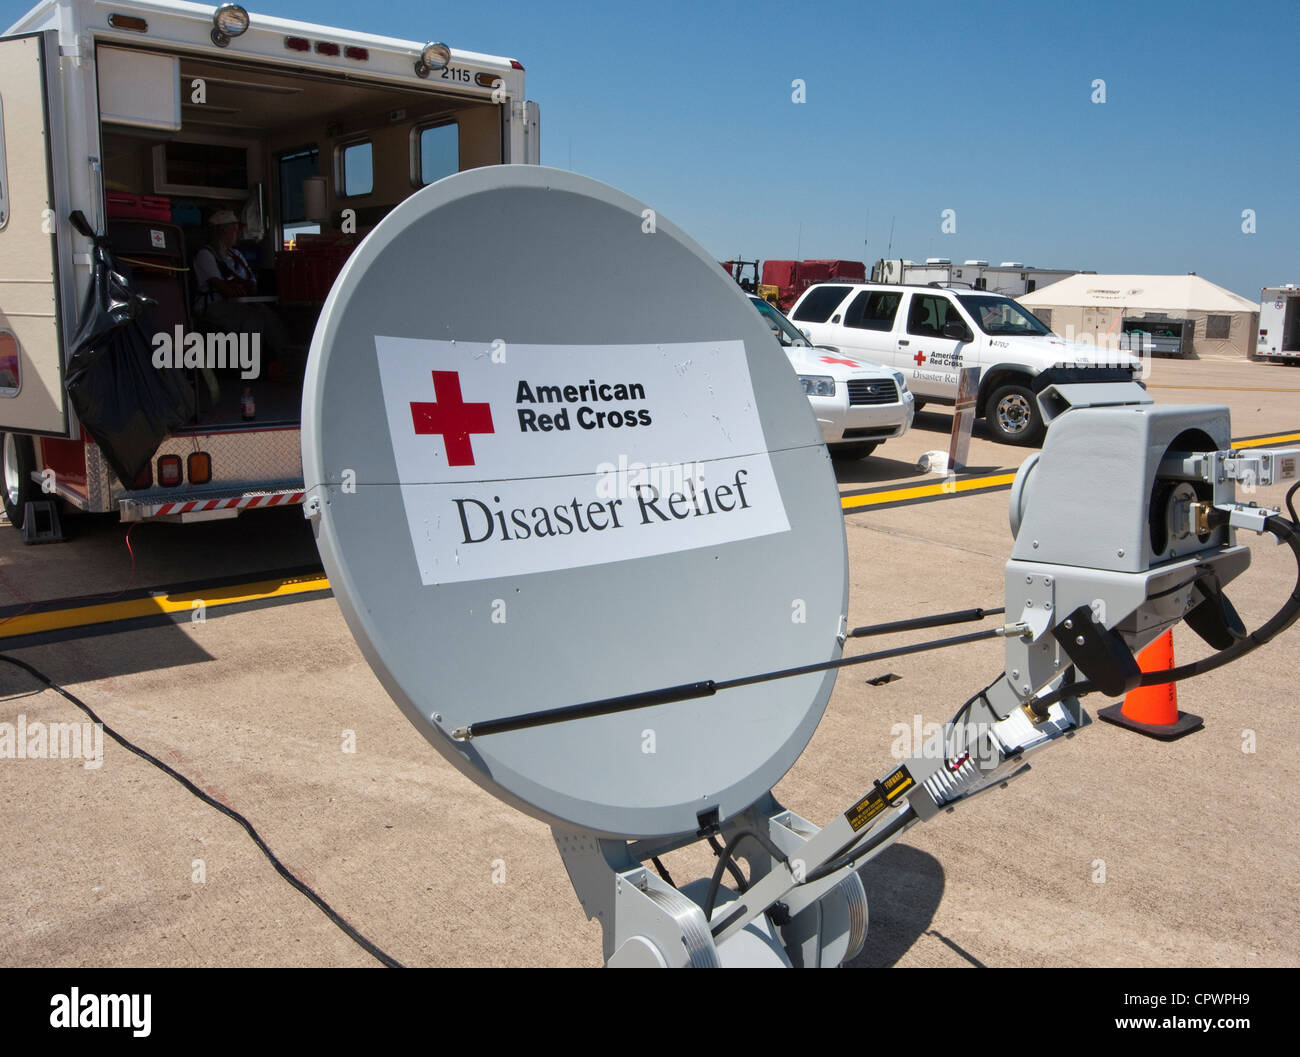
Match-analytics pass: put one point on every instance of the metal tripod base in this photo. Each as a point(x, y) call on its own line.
point(647, 922)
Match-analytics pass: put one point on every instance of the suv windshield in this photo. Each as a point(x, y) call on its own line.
point(1001, 315)
point(786, 332)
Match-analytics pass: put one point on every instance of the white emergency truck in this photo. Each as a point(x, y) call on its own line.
point(1279, 324)
point(931, 332)
point(151, 117)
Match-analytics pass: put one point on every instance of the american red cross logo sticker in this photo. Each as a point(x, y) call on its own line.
point(847, 363)
point(919, 358)
point(450, 416)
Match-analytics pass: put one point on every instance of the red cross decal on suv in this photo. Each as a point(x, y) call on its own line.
point(847, 363)
point(919, 357)
point(452, 417)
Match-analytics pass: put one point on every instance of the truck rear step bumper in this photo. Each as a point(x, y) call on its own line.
point(206, 507)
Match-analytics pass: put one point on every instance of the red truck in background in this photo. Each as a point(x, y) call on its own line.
point(784, 281)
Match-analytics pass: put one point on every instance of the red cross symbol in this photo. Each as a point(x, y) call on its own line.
point(919, 357)
point(452, 417)
point(847, 363)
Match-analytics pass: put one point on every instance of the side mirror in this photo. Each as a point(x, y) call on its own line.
point(957, 331)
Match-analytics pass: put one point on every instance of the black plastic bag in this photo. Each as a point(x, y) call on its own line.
point(126, 403)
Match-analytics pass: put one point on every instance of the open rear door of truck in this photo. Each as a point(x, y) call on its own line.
point(32, 399)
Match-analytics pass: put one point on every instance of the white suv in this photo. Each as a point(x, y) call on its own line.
point(858, 405)
point(929, 332)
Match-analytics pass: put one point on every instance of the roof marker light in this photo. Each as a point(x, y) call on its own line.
point(131, 22)
point(433, 56)
point(228, 21)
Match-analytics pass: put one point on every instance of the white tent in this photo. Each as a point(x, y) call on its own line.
point(1207, 319)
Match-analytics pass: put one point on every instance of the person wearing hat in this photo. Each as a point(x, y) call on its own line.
point(220, 270)
point(222, 276)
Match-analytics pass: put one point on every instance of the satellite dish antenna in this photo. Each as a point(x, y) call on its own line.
point(577, 514)
point(554, 456)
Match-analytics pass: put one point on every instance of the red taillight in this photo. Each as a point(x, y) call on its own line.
point(325, 47)
point(198, 467)
point(169, 471)
point(515, 64)
point(1263, 333)
point(360, 54)
point(297, 43)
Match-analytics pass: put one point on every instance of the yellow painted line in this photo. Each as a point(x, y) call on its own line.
point(922, 490)
point(1260, 442)
point(1225, 388)
point(129, 609)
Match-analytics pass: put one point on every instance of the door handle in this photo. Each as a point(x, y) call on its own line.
point(903, 341)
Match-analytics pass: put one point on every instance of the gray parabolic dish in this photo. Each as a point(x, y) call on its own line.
point(678, 521)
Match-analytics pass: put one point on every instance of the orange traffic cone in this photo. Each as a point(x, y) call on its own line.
point(1153, 710)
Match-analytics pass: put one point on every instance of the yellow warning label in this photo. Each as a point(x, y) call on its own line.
point(897, 784)
point(876, 801)
point(865, 810)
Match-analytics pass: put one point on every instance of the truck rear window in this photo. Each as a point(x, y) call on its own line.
point(819, 303)
point(439, 152)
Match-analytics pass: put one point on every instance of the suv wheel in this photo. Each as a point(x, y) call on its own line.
point(1013, 416)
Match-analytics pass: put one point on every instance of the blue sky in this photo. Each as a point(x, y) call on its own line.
point(985, 109)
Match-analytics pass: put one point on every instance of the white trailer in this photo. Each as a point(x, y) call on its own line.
point(1009, 278)
point(149, 117)
point(1279, 324)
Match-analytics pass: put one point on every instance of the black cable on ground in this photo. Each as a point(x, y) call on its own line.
point(229, 812)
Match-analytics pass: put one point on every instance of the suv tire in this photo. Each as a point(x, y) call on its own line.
point(1013, 417)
